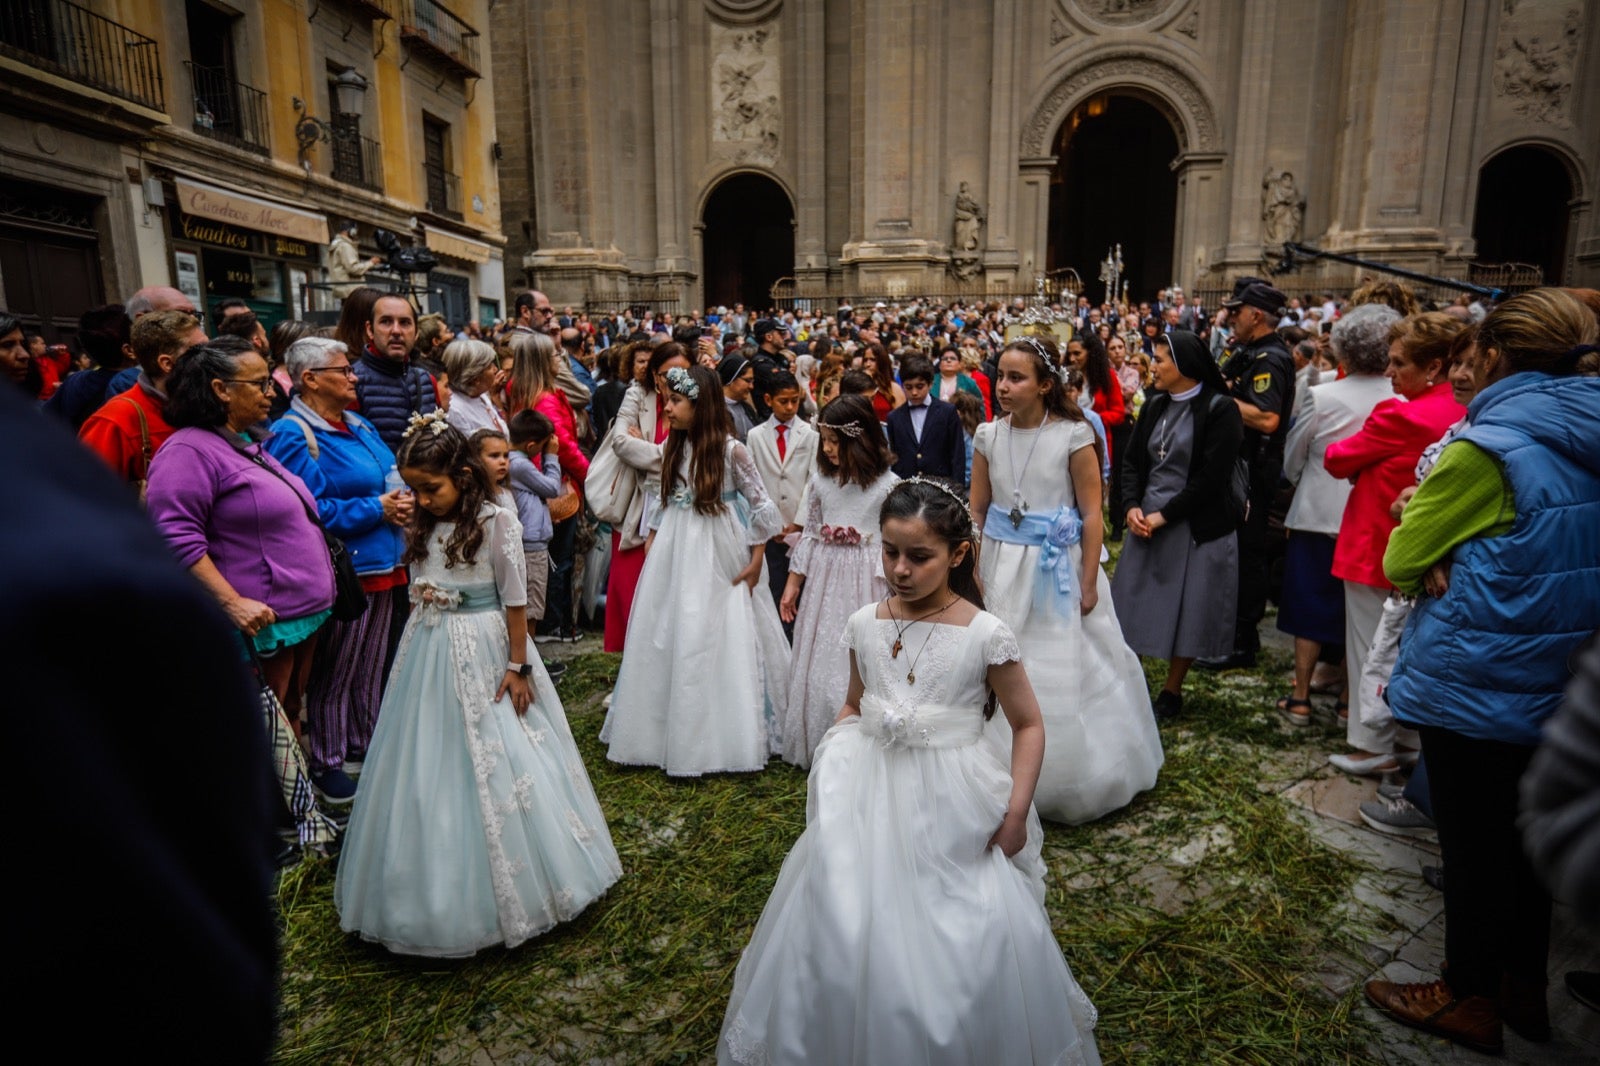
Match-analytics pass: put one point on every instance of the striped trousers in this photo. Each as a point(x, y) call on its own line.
point(347, 681)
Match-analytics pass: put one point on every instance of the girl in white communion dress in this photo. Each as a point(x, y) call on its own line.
point(907, 925)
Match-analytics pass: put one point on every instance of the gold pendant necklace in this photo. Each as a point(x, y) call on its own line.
point(911, 672)
point(899, 630)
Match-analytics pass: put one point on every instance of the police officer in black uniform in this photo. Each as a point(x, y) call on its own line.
point(1260, 373)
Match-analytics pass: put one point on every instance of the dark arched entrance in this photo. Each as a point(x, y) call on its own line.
point(749, 240)
point(1522, 211)
point(1114, 183)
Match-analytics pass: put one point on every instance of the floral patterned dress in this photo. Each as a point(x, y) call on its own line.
point(472, 825)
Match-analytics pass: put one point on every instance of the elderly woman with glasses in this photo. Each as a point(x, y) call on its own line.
point(346, 466)
point(232, 514)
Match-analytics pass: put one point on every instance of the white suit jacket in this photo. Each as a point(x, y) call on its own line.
point(1333, 411)
point(786, 481)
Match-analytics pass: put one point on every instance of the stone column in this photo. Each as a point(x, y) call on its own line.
point(1033, 216)
point(1001, 257)
point(1201, 187)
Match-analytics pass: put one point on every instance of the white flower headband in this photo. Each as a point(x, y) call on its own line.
point(683, 383)
point(435, 422)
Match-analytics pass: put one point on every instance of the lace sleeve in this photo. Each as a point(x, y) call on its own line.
point(803, 555)
point(503, 540)
point(766, 521)
point(1001, 647)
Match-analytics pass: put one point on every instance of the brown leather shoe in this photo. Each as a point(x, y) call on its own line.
point(1472, 1021)
point(1524, 1008)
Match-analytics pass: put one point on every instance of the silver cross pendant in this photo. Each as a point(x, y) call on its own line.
point(1016, 518)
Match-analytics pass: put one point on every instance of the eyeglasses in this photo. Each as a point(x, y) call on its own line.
point(200, 316)
point(545, 310)
point(260, 384)
point(347, 370)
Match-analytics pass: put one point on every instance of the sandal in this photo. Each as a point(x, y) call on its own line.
point(1341, 711)
point(1297, 711)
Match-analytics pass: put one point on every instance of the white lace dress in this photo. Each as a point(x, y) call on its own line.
point(895, 934)
point(1101, 745)
point(705, 665)
point(842, 560)
point(472, 826)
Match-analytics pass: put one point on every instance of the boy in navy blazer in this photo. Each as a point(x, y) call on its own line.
point(925, 432)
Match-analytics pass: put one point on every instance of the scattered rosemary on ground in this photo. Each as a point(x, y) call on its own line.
point(1196, 919)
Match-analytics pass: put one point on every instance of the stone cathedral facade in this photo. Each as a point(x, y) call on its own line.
point(711, 147)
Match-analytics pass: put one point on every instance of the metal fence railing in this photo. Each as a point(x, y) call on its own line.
point(75, 43)
point(432, 27)
point(227, 110)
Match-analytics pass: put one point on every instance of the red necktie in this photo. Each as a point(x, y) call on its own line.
point(783, 450)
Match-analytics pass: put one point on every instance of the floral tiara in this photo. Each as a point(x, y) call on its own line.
point(849, 429)
point(683, 383)
point(435, 422)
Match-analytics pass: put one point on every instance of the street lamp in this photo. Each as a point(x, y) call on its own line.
point(349, 97)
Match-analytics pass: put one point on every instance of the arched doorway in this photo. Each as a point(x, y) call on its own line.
point(748, 240)
point(1114, 183)
point(1523, 206)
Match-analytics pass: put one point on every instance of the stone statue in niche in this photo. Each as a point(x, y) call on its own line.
point(1283, 209)
point(964, 259)
point(1536, 77)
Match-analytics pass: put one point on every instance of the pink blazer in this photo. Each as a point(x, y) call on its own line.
point(1381, 458)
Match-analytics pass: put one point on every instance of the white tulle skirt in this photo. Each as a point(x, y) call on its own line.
point(895, 935)
point(1101, 747)
point(703, 684)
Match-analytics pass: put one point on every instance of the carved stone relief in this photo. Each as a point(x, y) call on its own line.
point(1283, 209)
point(746, 117)
point(1196, 122)
point(1534, 57)
point(1122, 12)
point(1190, 26)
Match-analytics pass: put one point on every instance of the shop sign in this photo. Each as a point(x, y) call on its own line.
point(203, 231)
point(249, 212)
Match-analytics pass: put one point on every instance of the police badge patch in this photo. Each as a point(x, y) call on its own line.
point(1262, 382)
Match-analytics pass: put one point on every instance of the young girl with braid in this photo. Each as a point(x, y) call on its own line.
point(474, 822)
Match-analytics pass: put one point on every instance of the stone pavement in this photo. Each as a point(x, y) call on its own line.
point(1397, 919)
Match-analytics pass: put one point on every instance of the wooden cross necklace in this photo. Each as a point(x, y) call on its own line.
point(899, 632)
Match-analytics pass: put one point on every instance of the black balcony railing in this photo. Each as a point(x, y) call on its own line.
point(357, 160)
point(443, 191)
point(78, 45)
point(373, 9)
point(430, 27)
point(228, 111)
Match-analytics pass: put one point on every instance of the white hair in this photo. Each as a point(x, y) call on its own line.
point(466, 359)
point(311, 353)
point(1360, 339)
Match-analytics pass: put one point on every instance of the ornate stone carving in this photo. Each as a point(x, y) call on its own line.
point(742, 11)
point(1123, 12)
point(1190, 26)
point(965, 262)
point(1283, 209)
point(1193, 116)
point(1533, 62)
point(746, 117)
point(1058, 30)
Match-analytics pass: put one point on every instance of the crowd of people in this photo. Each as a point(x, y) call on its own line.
point(846, 540)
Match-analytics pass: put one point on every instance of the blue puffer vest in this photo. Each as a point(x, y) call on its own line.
point(389, 393)
point(1489, 660)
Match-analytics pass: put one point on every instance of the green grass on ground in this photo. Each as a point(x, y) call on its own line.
point(1195, 919)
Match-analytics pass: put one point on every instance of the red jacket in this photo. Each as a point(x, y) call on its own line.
point(114, 432)
point(1381, 458)
point(555, 406)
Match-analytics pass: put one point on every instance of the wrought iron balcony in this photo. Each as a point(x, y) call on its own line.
point(227, 111)
point(430, 28)
point(357, 160)
point(373, 9)
point(75, 43)
point(443, 190)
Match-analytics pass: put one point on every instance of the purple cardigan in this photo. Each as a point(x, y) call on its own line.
point(207, 498)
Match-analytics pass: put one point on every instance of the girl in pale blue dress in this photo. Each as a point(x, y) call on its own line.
point(474, 823)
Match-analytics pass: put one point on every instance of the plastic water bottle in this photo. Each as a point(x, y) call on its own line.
point(393, 482)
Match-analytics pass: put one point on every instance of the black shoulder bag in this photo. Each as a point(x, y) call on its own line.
point(349, 599)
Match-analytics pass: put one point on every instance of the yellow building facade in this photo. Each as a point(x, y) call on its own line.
point(218, 147)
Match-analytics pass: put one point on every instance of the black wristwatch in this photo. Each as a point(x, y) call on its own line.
point(525, 669)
